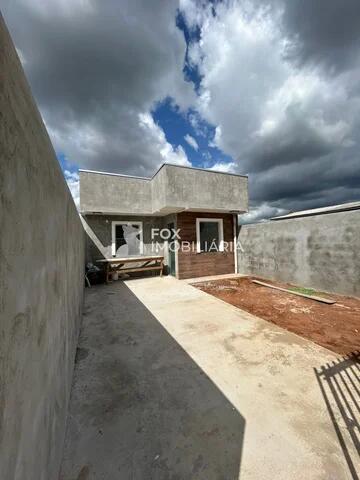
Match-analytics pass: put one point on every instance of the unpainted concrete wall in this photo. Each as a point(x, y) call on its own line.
point(41, 283)
point(173, 188)
point(114, 194)
point(99, 234)
point(320, 251)
point(98, 230)
point(159, 190)
point(191, 188)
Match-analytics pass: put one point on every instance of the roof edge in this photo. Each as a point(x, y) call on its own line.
point(197, 168)
point(345, 207)
point(158, 170)
point(113, 174)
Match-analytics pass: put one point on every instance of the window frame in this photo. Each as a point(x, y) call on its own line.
point(125, 222)
point(220, 222)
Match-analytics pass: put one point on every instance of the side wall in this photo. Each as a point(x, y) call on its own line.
point(320, 251)
point(192, 264)
point(41, 284)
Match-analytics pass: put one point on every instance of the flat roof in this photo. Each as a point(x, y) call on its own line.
point(113, 174)
point(343, 207)
point(158, 170)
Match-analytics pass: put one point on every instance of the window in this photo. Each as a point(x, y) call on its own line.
point(209, 235)
point(127, 239)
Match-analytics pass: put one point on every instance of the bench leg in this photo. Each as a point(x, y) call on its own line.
point(107, 273)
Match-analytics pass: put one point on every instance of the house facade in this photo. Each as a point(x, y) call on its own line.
point(186, 214)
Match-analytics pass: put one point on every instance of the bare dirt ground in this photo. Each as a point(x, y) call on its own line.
point(336, 327)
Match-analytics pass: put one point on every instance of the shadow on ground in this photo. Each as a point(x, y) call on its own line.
point(140, 407)
point(340, 386)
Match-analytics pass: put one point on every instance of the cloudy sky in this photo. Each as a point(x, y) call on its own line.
point(268, 88)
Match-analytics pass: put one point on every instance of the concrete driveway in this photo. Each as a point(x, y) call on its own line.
point(171, 383)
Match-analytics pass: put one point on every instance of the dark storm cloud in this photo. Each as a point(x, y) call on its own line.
point(293, 141)
point(326, 181)
point(323, 32)
point(93, 59)
point(94, 67)
point(295, 166)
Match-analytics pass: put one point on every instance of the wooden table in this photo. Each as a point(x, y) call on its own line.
point(147, 263)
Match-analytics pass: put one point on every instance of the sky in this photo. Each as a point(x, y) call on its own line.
point(267, 88)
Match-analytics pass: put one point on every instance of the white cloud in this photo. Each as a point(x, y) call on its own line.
point(191, 141)
point(226, 167)
point(312, 96)
point(169, 154)
point(193, 14)
point(72, 179)
point(261, 213)
point(247, 84)
point(198, 124)
point(238, 59)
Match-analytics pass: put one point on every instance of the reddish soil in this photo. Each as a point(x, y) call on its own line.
point(336, 326)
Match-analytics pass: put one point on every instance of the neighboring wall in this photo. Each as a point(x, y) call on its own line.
point(319, 251)
point(41, 284)
point(192, 264)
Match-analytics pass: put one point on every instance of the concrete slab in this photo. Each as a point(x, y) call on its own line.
point(172, 383)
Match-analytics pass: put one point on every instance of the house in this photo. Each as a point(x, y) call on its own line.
point(188, 215)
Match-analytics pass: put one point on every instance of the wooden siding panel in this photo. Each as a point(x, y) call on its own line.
point(193, 264)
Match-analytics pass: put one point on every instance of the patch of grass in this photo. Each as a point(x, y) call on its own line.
point(305, 291)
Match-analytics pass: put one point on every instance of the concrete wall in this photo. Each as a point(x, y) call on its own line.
point(41, 284)
point(158, 190)
point(191, 188)
point(173, 188)
point(99, 234)
point(320, 251)
point(114, 194)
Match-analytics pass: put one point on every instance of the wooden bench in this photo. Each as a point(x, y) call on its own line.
point(155, 263)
